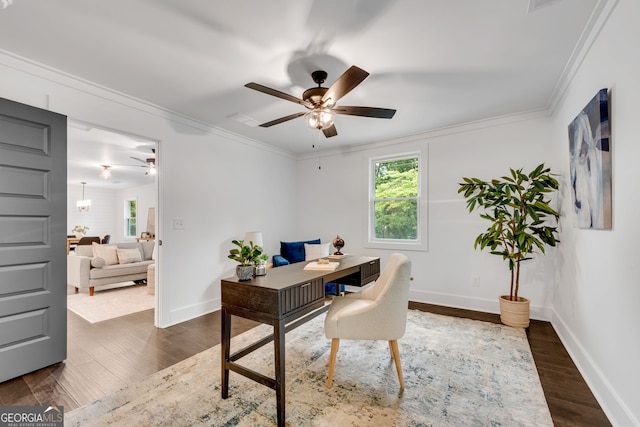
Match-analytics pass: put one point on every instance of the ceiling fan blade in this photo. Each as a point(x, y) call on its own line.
point(330, 131)
point(128, 166)
point(138, 159)
point(379, 113)
point(345, 83)
point(277, 93)
point(282, 120)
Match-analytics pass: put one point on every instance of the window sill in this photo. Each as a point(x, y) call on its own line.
point(397, 245)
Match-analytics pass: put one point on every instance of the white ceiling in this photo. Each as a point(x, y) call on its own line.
point(438, 62)
point(90, 148)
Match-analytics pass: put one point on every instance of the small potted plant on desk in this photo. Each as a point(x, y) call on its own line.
point(247, 255)
point(261, 265)
point(517, 209)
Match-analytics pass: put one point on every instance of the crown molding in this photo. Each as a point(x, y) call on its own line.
point(59, 77)
point(596, 23)
point(435, 133)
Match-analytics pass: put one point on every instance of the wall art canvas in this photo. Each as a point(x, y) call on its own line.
point(590, 167)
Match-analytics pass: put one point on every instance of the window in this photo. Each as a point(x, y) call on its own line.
point(130, 218)
point(394, 203)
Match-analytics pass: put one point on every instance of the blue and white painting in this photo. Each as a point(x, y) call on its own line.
point(590, 167)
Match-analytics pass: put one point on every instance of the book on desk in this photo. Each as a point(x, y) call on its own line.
point(327, 266)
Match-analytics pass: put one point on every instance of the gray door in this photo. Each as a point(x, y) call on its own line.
point(33, 220)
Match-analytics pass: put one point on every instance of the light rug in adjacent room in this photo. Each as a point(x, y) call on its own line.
point(110, 303)
point(458, 372)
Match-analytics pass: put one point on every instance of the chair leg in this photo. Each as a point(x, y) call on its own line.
point(393, 344)
point(335, 343)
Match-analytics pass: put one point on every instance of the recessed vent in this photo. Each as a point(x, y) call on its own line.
point(538, 4)
point(244, 120)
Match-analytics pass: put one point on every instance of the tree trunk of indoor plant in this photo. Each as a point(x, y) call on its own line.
point(514, 313)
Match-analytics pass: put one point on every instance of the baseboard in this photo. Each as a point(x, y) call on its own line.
point(618, 413)
point(193, 311)
point(484, 305)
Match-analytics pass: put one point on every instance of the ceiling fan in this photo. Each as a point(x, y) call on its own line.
point(149, 163)
point(321, 101)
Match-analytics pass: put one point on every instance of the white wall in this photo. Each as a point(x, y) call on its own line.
point(106, 215)
point(333, 201)
point(219, 184)
point(596, 286)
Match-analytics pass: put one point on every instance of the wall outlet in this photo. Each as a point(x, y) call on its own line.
point(475, 281)
point(178, 224)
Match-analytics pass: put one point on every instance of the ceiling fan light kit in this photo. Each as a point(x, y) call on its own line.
point(106, 172)
point(319, 118)
point(322, 101)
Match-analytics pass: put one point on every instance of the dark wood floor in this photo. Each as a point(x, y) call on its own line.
point(106, 356)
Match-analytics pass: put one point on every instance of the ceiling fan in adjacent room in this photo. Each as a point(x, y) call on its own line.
point(321, 101)
point(150, 163)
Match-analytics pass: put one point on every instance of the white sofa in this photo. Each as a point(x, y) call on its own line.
point(84, 270)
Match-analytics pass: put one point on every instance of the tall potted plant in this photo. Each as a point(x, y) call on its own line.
point(518, 209)
point(247, 256)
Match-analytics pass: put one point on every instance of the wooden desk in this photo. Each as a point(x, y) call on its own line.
point(145, 238)
point(71, 241)
point(285, 298)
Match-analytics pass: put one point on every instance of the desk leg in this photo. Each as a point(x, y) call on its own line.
point(279, 350)
point(226, 341)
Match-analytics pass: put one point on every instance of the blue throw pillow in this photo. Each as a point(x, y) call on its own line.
point(294, 251)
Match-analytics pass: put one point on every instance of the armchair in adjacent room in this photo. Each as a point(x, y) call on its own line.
point(89, 240)
point(377, 313)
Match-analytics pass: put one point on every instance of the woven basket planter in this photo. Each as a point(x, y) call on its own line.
point(514, 313)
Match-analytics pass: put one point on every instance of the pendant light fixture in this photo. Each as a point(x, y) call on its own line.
point(84, 204)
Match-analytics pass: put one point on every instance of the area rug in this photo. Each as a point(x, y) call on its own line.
point(457, 372)
point(110, 303)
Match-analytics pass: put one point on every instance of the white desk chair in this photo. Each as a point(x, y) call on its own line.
point(377, 313)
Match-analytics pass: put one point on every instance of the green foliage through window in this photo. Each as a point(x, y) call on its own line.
point(395, 198)
point(130, 218)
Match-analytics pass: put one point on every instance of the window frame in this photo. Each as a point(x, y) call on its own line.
point(420, 243)
point(127, 217)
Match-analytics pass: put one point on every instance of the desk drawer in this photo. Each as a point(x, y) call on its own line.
point(369, 272)
point(301, 296)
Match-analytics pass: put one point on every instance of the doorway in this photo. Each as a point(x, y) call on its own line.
point(116, 171)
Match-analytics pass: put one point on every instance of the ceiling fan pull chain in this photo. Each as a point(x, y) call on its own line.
point(319, 157)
